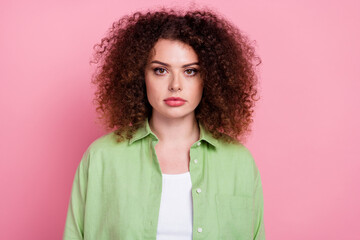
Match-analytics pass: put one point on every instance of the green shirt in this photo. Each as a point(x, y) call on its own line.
point(116, 191)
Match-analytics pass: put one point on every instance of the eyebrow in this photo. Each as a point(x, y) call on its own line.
point(165, 64)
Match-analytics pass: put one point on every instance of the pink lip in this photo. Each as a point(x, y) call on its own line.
point(174, 101)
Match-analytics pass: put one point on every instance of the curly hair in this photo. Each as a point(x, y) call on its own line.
point(226, 57)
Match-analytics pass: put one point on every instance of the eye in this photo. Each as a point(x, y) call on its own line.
point(191, 71)
point(159, 71)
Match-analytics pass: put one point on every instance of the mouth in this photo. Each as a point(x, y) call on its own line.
point(174, 101)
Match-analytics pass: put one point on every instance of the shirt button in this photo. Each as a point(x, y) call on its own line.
point(198, 143)
point(195, 160)
point(199, 229)
point(198, 190)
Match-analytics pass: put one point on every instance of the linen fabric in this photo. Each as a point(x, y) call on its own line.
point(117, 188)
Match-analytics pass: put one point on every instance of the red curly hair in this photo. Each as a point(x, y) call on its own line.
point(227, 61)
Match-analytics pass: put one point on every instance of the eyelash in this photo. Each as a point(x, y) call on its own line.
point(195, 71)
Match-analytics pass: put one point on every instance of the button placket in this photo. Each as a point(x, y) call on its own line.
point(197, 145)
point(198, 190)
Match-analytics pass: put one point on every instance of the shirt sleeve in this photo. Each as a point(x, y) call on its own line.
point(74, 225)
point(259, 230)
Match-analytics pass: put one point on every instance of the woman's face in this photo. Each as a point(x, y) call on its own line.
point(173, 72)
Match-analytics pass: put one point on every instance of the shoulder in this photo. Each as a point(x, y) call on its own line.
point(235, 152)
point(107, 142)
point(235, 158)
point(105, 146)
point(104, 141)
point(106, 151)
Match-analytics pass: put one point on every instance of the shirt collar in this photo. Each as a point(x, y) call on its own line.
point(145, 130)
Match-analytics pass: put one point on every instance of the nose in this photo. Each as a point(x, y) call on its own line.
point(175, 83)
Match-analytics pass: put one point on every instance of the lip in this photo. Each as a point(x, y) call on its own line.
point(174, 101)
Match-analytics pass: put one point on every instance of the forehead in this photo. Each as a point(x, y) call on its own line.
point(173, 51)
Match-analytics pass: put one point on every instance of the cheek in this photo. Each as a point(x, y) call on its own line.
point(152, 92)
point(196, 94)
point(199, 90)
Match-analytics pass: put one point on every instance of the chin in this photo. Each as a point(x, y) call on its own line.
point(175, 115)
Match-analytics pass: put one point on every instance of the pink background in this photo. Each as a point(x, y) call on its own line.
point(306, 134)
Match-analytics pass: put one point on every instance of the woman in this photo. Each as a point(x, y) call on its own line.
point(178, 89)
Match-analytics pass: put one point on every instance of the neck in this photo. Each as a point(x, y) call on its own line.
point(178, 130)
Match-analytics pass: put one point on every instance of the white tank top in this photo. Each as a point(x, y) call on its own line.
point(175, 216)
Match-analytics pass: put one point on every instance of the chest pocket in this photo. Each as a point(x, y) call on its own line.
point(235, 216)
